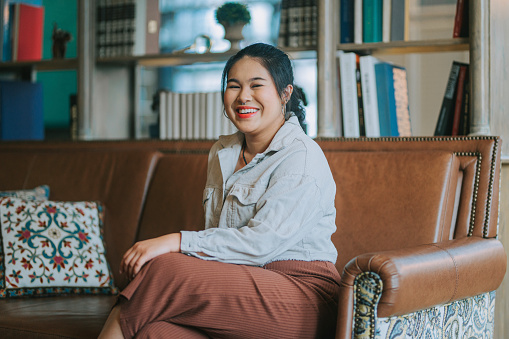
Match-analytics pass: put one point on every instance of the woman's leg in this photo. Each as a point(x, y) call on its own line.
point(111, 329)
point(163, 329)
point(286, 300)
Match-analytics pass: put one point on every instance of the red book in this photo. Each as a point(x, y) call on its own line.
point(27, 32)
point(460, 29)
point(459, 100)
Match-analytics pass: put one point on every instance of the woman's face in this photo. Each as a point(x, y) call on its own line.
point(251, 99)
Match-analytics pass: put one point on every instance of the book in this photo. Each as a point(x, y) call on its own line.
point(294, 20)
point(27, 28)
point(349, 101)
point(445, 117)
point(360, 106)
point(392, 95)
point(21, 111)
point(402, 103)
point(465, 107)
point(458, 100)
point(282, 40)
point(386, 20)
point(461, 18)
point(372, 20)
point(163, 114)
point(5, 27)
point(175, 116)
point(74, 117)
point(369, 95)
point(399, 20)
point(346, 25)
point(357, 21)
point(147, 21)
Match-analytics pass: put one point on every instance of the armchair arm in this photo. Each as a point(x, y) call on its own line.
point(420, 277)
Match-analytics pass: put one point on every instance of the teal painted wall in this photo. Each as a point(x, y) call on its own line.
point(58, 85)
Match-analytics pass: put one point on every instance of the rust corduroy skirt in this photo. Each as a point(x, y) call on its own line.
point(178, 296)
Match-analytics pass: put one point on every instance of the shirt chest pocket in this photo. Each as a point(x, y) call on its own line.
point(211, 204)
point(241, 205)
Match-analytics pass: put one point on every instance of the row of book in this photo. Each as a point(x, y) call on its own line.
point(373, 97)
point(21, 30)
point(366, 21)
point(192, 116)
point(454, 116)
point(127, 27)
point(298, 25)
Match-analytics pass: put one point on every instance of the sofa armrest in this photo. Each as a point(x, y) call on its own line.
point(420, 277)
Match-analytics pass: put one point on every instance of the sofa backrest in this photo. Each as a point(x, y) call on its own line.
point(117, 179)
point(400, 192)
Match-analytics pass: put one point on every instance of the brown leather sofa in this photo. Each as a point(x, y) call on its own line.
point(417, 223)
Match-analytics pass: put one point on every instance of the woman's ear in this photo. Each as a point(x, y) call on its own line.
point(287, 93)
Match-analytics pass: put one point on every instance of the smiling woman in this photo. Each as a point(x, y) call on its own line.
point(266, 255)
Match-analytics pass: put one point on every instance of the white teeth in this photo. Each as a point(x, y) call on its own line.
point(246, 111)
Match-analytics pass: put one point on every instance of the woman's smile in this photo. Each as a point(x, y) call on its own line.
point(245, 112)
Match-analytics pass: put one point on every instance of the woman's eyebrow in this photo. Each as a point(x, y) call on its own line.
point(250, 80)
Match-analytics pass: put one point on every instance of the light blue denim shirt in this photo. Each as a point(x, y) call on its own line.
point(280, 206)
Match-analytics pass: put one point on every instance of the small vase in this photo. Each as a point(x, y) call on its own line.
point(233, 33)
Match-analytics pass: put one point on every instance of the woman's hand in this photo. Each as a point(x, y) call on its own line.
point(144, 251)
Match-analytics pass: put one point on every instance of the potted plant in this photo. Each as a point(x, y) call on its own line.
point(233, 16)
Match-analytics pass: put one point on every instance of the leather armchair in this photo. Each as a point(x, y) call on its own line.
point(417, 236)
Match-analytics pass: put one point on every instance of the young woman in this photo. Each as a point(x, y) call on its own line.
point(264, 265)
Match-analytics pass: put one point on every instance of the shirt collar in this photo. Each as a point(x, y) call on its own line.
point(284, 136)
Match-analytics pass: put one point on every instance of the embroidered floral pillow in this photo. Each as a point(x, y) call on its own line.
point(40, 193)
point(52, 248)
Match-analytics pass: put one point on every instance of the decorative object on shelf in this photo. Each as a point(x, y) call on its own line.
point(201, 45)
point(233, 16)
point(60, 39)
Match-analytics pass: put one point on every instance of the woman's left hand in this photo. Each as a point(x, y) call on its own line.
point(144, 251)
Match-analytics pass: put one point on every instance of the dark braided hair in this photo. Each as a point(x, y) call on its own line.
point(280, 68)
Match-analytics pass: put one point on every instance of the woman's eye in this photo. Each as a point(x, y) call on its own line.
point(233, 86)
point(257, 85)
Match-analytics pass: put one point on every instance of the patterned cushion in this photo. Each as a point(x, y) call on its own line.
point(52, 248)
point(40, 193)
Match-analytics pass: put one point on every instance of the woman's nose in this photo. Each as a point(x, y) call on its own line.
point(244, 96)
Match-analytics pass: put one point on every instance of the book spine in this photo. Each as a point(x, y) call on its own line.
point(176, 115)
point(153, 21)
point(169, 115)
point(196, 115)
point(190, 115)
point(307, 26)
point(100, 28)
point(209, 116)
point(401, 102)
point(314, 23)
point(465, 106)
point(283, 25)
point(369, 97)
point(218, 114)
point(360, 106)
point(384, 92)
point(357, 22)
point(386, 21)
point(398, 19)
point(163, 114)
point(458, 100)
point(183, 116)
point(74, 118)
point(348, 85)
point(445, 116)
point(372, 20)
point(346, 23)
point(293, 24)
point(458, 18)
